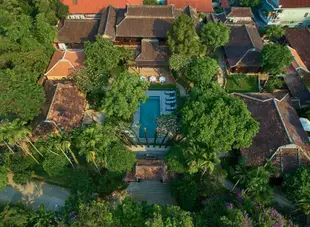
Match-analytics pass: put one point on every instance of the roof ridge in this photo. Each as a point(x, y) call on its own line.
point(282, 121)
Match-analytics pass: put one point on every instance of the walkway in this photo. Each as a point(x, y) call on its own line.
point(222, 74)
point(35, 193)
point(152, 191)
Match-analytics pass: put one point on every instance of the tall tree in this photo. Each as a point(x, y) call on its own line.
point(102, 56)
point(275, 58)
point(201, 71)
point(3, 177)
point(124, 96)
point(214, 35)
point(275, 32)
point(249, 3)
point(217, 121)
point(183, 39)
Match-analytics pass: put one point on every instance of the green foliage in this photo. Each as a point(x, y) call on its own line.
point(42, 217)
point(21, 166)
point(124, 96)
point(13, 216)
point(273, 83)
point(62, 10)
point(217, 120)
point(274, 31)
point(175, 160)
point(150, 2)
point(54, 164)
point(22, 177)
point(297, 188)
point(242, 83)
point(183, 39)
point(214, 35)
point(102, 56)
point(20, 95)
point(177, 62)
point(3, 177)
point(185, 191)
point(249, 3)
point(80, 181)
point(119, 158)
point(90, 82)
point(275, 58)
point(201, 71)
point(94, 214)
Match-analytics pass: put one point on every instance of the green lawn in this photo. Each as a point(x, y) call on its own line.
point(242, 83)
point(162, 87)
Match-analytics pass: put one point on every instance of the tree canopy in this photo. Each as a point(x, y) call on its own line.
point(124, 95)
point(275, 58)
point(214, 35)
point(201, 71)
point(183, 39)
point(249, 3)
point(217, 120)
point(274, 31)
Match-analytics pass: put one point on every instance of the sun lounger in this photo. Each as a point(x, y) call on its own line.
point(171, 101)
point(170, 92)
point(171, 108)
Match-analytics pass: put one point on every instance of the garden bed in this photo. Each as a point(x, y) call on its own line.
point(242, 83)
point(162, 87)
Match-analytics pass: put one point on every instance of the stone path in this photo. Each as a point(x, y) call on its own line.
point(35, 193)
point(222, 73)
point(181, 89)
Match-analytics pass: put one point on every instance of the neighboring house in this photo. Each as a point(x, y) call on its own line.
point(299, 39)
point(243, 50)
point(64, 64)
point(204, 6)
point(239, 15)
point(73, 33)
point(86, 9)
point(285, 12)
point(130, 25)
point(225, 4)
point(281, 137)
point(63, 109)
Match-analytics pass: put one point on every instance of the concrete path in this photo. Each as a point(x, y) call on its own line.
point(152, 191)
point(222, 75)
point(35, 193)
point(181, 89)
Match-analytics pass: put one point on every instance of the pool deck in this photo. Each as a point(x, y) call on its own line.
point(163, 111)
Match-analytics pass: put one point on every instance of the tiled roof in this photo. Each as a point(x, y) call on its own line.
point(279, 126)
point(65, 63)
point(67, 107)
point(225, 4)
point(299, 39)
point(297, 62)
point(294, 3)
point(78, 31)
point(96, 6)
point(151, 54)
point(297, 88)
point(244, 46)
point(141, 21)
point(240, 12)
point(199, 5)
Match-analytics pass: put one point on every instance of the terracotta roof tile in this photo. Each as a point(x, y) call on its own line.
point(96, 6)
point(297, 62)
point(225, 4)
point(66, 65)
point(294, 3)
point(240, 12)
point(67, 108)
point(199, 5)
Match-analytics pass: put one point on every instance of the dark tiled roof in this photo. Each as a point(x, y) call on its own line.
point(78, 31)
point(199, 5)
point(142, 21)
point(240, 12)
point(244, 46)
point(297, 88)
point(299, 39)
point(107, 22)
point(279, 126)
point(151, 54)
point(294, 3)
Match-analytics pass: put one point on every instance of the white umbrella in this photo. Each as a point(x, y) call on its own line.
point(143, 78)
point(162, 79)
point(305, 123)
point(153, 79)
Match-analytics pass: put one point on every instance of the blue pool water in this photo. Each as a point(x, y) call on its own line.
point(149, 111)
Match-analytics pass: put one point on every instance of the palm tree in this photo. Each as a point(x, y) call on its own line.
point(241, 174)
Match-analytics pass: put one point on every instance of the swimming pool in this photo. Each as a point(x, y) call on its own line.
point(149, 112)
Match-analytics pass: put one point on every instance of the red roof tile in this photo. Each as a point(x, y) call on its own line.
point(294, 3)
point(225, 4)
point(64, 64)
point(199, 5)
point(95, 6)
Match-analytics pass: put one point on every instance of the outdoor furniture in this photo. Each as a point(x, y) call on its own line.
point(170, 92)
point(153, 79)
point(169, 98)
point(172, 108)
point(171, 101)
point(162, 79)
